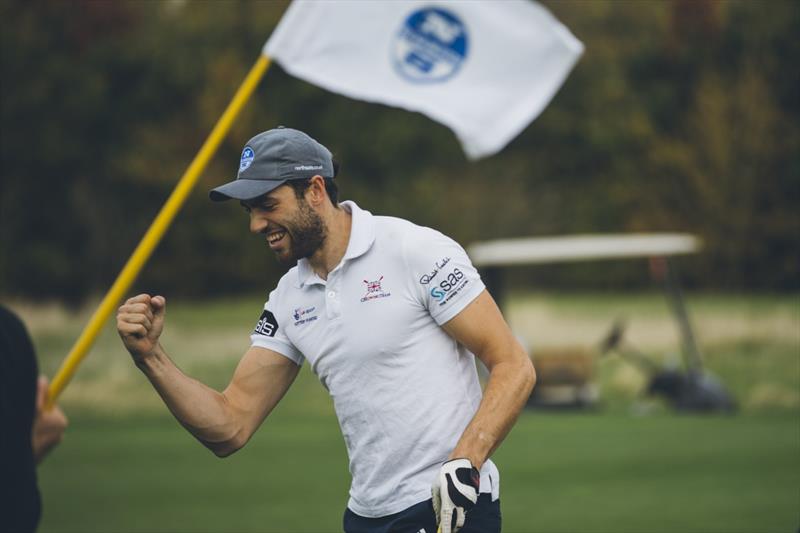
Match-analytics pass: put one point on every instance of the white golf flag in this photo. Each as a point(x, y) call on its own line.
point(484, 68)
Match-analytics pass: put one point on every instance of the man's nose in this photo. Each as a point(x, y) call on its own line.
point(257, 223)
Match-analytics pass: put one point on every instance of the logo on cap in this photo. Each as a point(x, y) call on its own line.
point(431, 46)
point(247, 158)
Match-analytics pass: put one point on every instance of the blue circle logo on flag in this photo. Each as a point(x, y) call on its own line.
point(247, 158)
point(431, 46)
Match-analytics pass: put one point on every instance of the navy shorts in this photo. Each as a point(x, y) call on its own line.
point(483, 518)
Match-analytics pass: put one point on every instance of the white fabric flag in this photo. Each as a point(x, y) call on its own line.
point(485, 69)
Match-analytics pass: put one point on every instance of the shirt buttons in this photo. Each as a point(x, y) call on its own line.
point(332, 294)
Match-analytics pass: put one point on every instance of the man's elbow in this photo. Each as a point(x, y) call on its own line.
point(223, 451)
point(531, 376)
point(528, 374)
point(226, 447)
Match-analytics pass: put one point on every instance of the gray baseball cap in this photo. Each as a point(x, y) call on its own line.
point(270, 159)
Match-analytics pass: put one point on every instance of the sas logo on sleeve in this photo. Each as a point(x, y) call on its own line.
point(449, 286)
point(267, 325)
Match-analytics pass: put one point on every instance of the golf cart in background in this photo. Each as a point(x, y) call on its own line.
point(565, 376)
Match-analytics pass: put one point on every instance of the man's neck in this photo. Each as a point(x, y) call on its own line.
point(338, 222)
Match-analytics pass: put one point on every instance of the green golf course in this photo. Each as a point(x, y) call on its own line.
point(628, 464)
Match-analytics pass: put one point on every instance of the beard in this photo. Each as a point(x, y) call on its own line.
point(307, 232)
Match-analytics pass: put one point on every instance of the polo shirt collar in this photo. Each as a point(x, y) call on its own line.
point(362, 235)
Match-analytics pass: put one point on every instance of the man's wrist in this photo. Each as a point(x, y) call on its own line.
point(473, 459)
point(150, 363)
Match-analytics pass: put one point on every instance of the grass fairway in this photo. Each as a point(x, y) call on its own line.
point(560, 473)
point(126, 465)
point(663, 473)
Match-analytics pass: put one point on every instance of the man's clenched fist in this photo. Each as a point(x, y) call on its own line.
point(455, 492)
point(140, 321)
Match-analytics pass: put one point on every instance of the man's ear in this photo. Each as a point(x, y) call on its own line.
point(315, 193)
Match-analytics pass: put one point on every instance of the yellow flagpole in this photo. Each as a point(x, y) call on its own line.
point(156, 231)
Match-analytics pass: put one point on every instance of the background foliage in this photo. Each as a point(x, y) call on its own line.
point(682, 115)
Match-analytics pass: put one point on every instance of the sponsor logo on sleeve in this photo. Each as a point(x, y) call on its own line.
point(449, 286)
point(437, 266)
point(267, 325)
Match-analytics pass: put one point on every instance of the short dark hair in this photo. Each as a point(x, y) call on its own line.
point(300, 186)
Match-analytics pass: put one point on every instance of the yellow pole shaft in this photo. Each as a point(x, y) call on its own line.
point(156, 231)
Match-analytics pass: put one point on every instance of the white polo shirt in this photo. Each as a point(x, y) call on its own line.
point(403, 389)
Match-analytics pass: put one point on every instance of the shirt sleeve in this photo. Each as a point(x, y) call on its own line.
point(269, 333)
point(444, 278)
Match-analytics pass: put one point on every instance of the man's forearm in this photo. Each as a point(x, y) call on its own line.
point(510, 383)
point(203, 411)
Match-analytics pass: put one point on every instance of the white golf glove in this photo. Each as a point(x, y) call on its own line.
point(455, 492)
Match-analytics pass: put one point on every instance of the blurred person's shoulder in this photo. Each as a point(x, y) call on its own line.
point(15, 343)
point(9, 321)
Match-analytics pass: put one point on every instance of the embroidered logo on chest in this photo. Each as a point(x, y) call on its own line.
point(303, 315)
point(375, 290)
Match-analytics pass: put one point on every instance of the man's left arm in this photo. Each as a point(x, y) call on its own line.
point(481, 328)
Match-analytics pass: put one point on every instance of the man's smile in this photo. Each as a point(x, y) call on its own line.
point(274, 239)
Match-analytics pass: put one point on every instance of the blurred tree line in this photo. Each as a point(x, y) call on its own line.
point(682, 115)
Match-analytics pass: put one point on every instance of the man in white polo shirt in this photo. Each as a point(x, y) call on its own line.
point(388, 314)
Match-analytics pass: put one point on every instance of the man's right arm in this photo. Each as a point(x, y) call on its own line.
point(222, 421)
